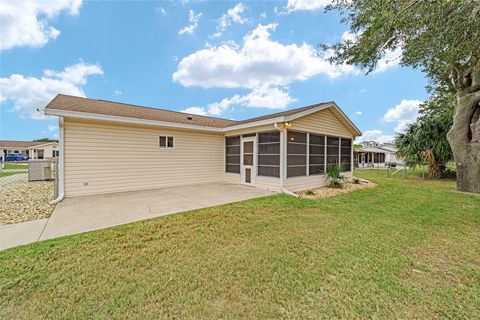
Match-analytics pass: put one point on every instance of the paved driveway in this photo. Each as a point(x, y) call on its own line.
point(81, 214)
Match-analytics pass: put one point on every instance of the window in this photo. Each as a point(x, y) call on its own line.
point(332, 151)
point(316, 157)
point(296, 154)
point(232, 154)
point(55, 153)
point(166, 142)
point(346, 153)
point(269, 154)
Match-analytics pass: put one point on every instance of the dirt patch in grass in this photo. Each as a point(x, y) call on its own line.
point(25, 201)
point(326, 192)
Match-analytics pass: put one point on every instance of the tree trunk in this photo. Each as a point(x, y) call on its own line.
point(464, 136)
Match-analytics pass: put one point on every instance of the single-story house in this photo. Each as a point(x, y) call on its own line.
point(33, 149)
point(108, 147)
point(375, 156)
point(46, 150)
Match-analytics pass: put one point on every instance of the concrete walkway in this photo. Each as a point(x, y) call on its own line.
point(81, 214)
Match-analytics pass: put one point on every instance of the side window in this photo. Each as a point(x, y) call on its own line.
point(166, 142)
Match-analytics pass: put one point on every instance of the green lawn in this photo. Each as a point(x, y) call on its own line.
point(10, 173)
point(409, 248)
point(16, 166)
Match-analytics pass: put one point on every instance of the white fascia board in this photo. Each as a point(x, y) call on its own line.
point(254, 124)
point(95, 116)
point(43, 145)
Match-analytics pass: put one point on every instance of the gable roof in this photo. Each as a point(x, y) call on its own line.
point(65, 105)
point(86, 105)
point(20, 144)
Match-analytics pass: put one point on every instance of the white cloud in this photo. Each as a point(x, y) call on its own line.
point(403, 113)
point(193, 19)
point(306, 5)
point(233, 15)
point(161, 10)
point(263, 15)
point(30, 93)
point(258, 61)
point(375, 135)
point(391, 58)
point(262, 97)
point(358, 113)
point(195, 110)
point(52, 128)
point(117, 92)
point(26, 23)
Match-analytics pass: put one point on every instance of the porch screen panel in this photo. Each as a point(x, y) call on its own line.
point(316, 154)
point(296, 154)
point(346, 153)
point(232, 154)
point(269, 154)
point(332, 151)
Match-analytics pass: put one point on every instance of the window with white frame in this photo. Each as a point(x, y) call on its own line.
point(296, 154)
point(232, 154)
point(165, 142)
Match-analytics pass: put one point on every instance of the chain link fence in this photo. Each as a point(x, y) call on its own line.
point(26, 188)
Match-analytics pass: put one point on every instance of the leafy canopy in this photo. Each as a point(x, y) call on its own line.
point(436, 36)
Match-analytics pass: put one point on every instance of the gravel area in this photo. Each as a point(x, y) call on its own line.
point(326, 192)
point(25, 201)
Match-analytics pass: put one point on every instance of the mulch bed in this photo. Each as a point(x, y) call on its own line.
point(25, 201)
point(326, 192)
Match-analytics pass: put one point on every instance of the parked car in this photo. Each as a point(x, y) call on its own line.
point(15, 157)
point(390, 164)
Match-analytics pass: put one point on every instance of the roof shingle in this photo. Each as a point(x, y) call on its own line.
point(78, 104)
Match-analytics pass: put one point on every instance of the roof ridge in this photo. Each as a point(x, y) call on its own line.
point(146, 107)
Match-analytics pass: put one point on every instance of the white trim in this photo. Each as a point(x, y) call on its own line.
point(252, 167)
point(253, 124)
point(166, 142)
point(95, 116)
point(61, 162)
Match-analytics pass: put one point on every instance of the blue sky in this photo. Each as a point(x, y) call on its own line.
point(227, 59)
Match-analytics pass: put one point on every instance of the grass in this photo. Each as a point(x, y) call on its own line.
point(16, 166)
point(406, 249)
point(10, 173)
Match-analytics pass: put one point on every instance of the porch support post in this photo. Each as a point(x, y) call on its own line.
point(283, 154)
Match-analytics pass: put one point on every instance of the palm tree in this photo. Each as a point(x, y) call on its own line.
point(425, 141)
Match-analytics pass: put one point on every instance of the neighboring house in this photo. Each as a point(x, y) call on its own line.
point(46, 150)
point(33, 149)
point(111, 147)
point(375, 156)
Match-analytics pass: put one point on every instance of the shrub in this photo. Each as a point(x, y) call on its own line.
point(334, 175)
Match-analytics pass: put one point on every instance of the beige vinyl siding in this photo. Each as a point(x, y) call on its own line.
point(304, 183)
point(233, 178)
point(269, 183)
point(267, 127)
point(324, 121)
point(105, 158)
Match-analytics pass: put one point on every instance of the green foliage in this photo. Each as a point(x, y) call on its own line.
point(45, 140)
point(435, 36)
point(334, 175)
point(425, 141)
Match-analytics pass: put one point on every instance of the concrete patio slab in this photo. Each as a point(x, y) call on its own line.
point(12, 235)
point(88, 213)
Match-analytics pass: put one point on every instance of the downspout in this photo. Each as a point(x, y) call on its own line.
point(61, 163)
point(283, 137)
